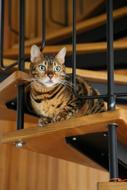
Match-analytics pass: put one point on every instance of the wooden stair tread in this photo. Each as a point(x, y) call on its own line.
point(50, 140)
point(122, 185)
point(8, 91)
point(10, 115)
point(81, 27)
point(8, 88)
point(80, 48)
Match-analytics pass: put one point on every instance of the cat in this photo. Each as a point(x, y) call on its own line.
point(51, 93)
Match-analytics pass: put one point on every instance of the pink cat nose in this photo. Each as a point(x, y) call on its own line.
point(50, 75)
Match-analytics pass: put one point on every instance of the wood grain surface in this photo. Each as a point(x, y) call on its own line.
point(21, 169)
point(112, 186)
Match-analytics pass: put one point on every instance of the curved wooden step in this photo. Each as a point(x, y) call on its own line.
point(81, 48)
point(81, 27)
point(8, 88)
point(50, 140)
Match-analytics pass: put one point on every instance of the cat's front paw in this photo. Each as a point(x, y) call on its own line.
point(42, 122)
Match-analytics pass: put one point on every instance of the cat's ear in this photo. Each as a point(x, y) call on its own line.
point(61, 55)
point(35, 53)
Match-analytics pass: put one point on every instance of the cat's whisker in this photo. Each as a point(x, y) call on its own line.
point(30, 82)
point(66, 83)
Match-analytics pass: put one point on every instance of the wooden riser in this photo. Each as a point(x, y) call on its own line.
point(112, 186)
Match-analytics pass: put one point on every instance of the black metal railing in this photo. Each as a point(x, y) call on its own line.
point(20, 88)
point(110, 96)
point(43, 24)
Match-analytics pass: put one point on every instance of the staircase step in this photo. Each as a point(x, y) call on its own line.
point(81, 27)
point(81, 48)
point(112, 186)
point(8, 87)
point(50, 140)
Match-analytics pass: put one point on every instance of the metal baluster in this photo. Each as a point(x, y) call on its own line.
point(43, 24)
point(113, 160)
point(74, 45)
point(20, 96)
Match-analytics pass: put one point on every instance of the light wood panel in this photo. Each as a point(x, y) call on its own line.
point(84, 9)
point(80, 48)
point(81, 27)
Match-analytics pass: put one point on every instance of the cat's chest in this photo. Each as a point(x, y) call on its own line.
point(49, 108)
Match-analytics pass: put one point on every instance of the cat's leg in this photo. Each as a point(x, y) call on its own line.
point(67, 113)
point(44, 121)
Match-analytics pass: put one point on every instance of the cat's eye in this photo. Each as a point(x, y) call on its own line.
point(57, 69)
point(42, 67)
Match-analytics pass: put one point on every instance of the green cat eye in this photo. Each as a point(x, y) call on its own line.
point(42, 67)
point(57, 69)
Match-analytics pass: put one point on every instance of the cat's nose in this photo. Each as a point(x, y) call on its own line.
point(50, 75)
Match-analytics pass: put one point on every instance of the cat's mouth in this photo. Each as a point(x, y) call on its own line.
point(49, 83)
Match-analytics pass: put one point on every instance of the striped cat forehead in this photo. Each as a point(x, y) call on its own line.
point(50, 60)
point(36, 56)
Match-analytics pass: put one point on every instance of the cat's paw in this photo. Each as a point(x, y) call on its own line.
point(42, 122)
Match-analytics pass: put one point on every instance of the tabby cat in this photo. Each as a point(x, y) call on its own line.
point(51, 94)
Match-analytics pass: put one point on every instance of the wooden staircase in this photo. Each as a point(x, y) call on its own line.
point(81, 27)
point(51, 140)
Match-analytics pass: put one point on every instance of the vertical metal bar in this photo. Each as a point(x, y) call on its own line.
point(1, 31)
point(74, 44)
point(113, 159)
point(110, 55)
point(20, 96)
point(21, 33)
point(43, 23)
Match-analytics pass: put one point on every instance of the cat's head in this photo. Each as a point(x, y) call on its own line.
point(48, 70)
